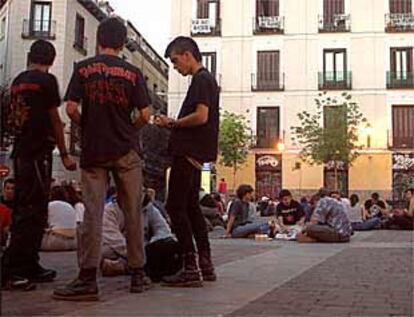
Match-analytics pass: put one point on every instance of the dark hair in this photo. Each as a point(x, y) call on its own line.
point(375, 196)
point(9, 181)
point(42, 52)
point(243, 190)
point(284, 193)
point(223, 180)
point(304, 200)
point(72, 196)
point(57, 193)
point(146, 200)
point(323, 192)
point(112, 33)
point(216, 197)
point(411, 190)
point(183, 44)
point(354, 199)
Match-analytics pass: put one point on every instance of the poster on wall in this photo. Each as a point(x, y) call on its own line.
point(268, 175)
point(402, 176)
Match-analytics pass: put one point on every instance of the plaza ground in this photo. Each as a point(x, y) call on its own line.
point(371, 276)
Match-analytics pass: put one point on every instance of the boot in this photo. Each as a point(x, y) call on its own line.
point(139, 281)
point(189, 276)
point(204, 260)
point(83, 288)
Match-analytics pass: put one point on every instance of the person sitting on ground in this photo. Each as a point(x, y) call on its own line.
point(162, 250)
point(239, 224)
point(402, 219)
point(270, 210)
point(356, 216)
point(60, 235)
point(343, 200)
point(211, 212)
point(375, 207)
point(8, 193)
point(74, 198)
point(219, 203)
point(329, 223)
point(289, 212)
point(307, 208)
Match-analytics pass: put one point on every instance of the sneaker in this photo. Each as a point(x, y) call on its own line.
point(43, 275)
point(17, 283)
point(77, 290)
point(189, 276)
point(140, 282)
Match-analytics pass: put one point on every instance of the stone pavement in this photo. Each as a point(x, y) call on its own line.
point(371, 276)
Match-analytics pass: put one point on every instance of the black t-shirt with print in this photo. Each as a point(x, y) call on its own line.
point(33, 94)
point(375, 209)
point(200, 142)
point(291, 214)
point(110, 91)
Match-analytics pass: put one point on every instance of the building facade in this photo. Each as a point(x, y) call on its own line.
point(71, 26)
point(273, 57)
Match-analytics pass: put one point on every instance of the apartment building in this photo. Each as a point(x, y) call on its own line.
point(71, 26)
point(273, 57)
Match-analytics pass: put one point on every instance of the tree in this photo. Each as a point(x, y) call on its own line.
point(330, 136)
point(234, 141)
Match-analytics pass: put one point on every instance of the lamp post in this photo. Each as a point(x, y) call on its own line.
point(368, 131)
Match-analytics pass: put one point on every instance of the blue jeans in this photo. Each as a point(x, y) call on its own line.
point(244, 231)
point(369, 224)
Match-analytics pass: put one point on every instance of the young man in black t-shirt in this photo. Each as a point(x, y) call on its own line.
point(193, 141)
point(375, 207)
point(289, 212)
point(115, 105)
point(37, 127)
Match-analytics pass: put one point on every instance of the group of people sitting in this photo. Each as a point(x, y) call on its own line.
point(326, 217)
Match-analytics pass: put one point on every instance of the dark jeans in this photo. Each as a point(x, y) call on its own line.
point(163, 259)
point(29, 217)
point(370, 224)
point(184, 208)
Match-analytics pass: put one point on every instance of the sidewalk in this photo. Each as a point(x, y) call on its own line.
point(371, 276)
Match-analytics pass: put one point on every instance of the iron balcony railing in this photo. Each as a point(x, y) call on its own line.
point(268, 25)
point(334, 23)
point(335, 80)
point(400, 80)
point(39, 29)
point(270, 81)
point(399, 22)
point(206, 27)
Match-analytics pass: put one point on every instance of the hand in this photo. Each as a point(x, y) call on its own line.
point(162, 121)
point(69, 163)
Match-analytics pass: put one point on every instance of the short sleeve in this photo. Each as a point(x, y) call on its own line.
point(200, 91)
point(75, 91)
point(140, 97)
point(236, 208)
point(52, 93)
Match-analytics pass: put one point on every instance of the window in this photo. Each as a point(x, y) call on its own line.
point(268, 70)
point(207, 20)
point(2, 28)
point(268, 127)
point(335, 75)
point(41, 17)
point(400, 6)
point(403, 126)
point(207, 9)
point(331, 8)
point(209, 61)
point(80, 32)
point(401, 62)
point(267, 8)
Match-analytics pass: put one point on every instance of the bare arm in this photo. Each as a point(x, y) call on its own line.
point(58, 130)
point(230, 224)
point(410, 211)
point(143, 117)
point(72, 109)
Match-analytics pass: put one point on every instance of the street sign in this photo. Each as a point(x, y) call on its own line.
point(4, 171)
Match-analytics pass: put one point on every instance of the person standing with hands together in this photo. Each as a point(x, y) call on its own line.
point(193, 141)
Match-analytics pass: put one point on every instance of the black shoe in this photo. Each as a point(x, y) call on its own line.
point(189, 276)
point(206, 265)
point(17, 283)
point(43, 276)
point(139, 282)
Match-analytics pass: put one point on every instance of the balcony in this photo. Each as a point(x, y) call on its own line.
point(335, 81)
point(268, 82)
point(39, 29)
point(400, 80)
point(399, 22)
point(206, 27)
point(81, 45)
point(336, 23)
point(268, 25)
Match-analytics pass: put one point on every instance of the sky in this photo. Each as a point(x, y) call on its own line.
point(150, 17)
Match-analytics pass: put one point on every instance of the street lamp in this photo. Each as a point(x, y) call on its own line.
point(280, 146)
point(368, 131)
